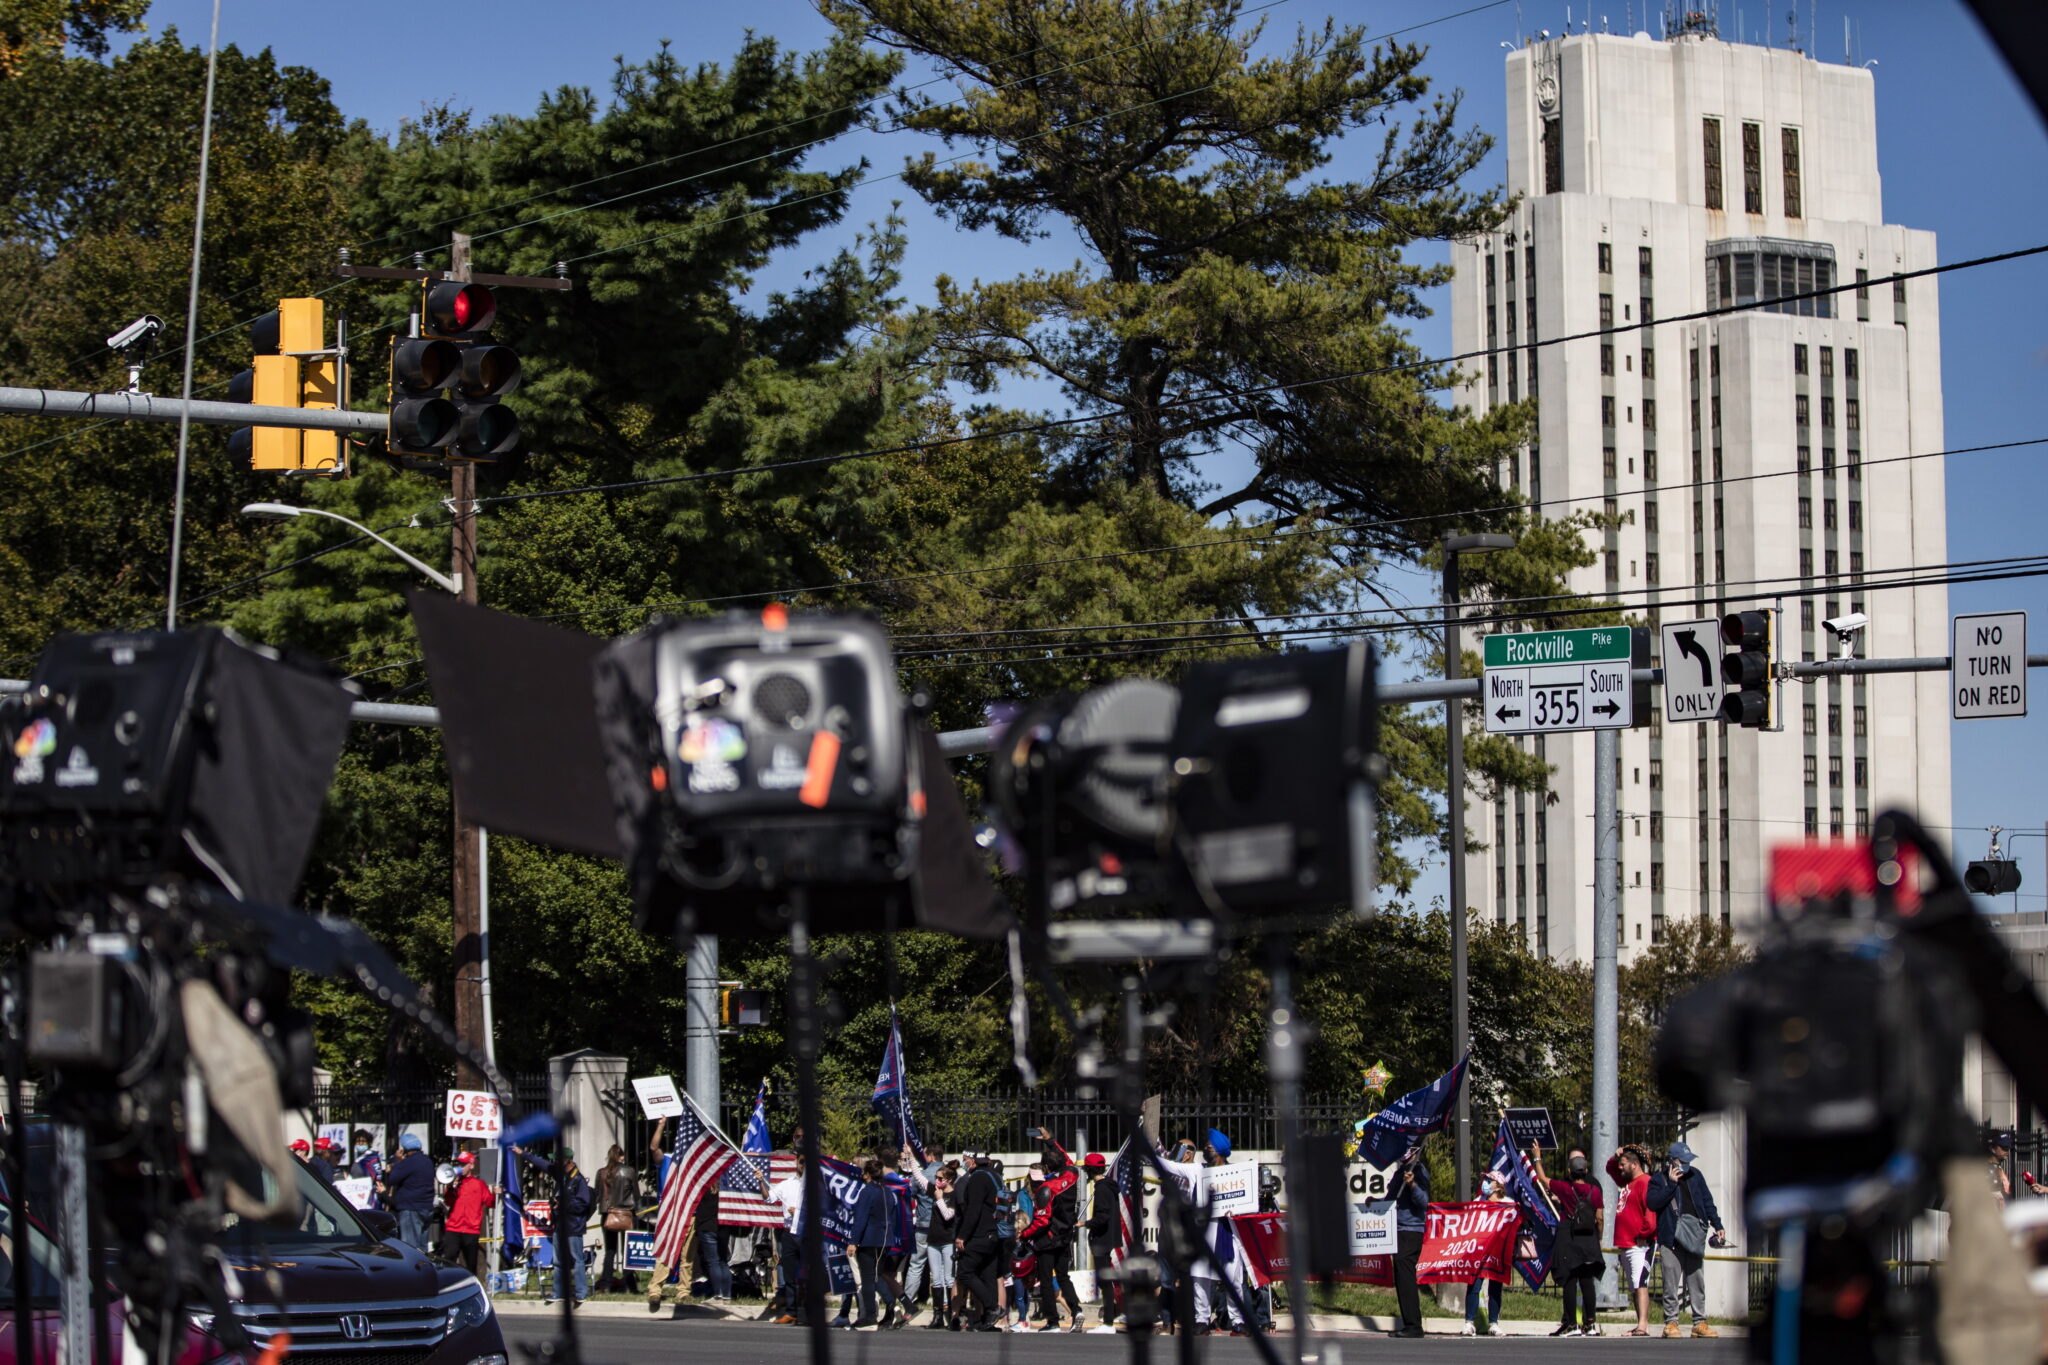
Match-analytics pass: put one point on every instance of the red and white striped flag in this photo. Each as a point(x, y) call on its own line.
point(701, 1156)
point(744, 1191)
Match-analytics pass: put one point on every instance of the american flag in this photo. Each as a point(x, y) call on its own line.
point(702, 1155)
point(744, 1190)
point(1127, 1169)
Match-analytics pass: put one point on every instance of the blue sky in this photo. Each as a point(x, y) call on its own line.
point(1960, 148)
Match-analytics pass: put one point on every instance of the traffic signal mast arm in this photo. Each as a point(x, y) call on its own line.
point(145, 407)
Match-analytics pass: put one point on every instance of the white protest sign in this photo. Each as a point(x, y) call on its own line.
point(1370, 1191)
point(658, 1097)
point(334, 1135)
point(1233, 1188)
point(356, 1191)
point(473, 1114)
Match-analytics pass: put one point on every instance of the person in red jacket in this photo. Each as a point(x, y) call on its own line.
point(1049, 1236)
point(1635, 1227)
point(464, 1228)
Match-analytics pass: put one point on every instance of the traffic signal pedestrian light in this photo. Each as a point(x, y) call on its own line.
point(1747, 669)
point(740, 1008)
point(293, 367)
point(1992, 877)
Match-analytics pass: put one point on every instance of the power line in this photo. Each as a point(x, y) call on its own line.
point(1285, 386)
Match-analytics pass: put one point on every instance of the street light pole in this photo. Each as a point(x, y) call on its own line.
point(1454, 725)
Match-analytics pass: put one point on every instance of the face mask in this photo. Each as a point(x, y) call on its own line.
point(362, 1149)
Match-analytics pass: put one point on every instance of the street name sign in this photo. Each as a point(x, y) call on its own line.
point(1692, 673)
point(1987, 665)
point(1542, 681)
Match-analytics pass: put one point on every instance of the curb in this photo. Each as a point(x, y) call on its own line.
point(1328, 1323)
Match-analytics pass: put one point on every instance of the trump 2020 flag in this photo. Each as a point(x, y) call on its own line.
point(891, 1099)
point(756, 1137)
point(1388, 1136)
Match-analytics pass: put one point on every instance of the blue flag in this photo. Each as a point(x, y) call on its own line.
point(891, 1099)
point(1397, 1130)
point(1539, 1222)
point(756, 1138)
point(515, 1203)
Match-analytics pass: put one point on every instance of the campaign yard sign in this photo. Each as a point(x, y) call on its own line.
point(1369, 1190)
point(659, 1098)
point(1233, 1189)
point(639, 1251)
point(1466, 1242)
point(473, 1114)
point(1531, 1127)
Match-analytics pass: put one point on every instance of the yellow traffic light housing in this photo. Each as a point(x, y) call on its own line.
point(293, 368)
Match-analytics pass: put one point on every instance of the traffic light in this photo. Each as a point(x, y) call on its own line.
point(740, 1008)
point(423, 421)
point(1992, 877)
point(1748, 669)
point(461, 314)
point(293, 368)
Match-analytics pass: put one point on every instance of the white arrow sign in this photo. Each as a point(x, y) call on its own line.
point(1692, 675)
point(1987, 666)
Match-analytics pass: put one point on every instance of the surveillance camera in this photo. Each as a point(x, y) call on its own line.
point(140, 332)
point(1845, 626)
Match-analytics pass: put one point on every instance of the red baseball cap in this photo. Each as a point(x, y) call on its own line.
point(301, 1146)
point(465, 1159)
point(1095, 1161)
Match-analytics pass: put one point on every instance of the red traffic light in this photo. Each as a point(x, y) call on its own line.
point(1746, 629)
point(455, 309)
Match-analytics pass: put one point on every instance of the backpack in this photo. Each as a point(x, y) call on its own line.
point(1585, 1219)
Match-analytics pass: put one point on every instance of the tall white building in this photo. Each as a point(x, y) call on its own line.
point(1743, 456)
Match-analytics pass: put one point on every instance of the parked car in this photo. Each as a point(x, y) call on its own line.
point(356, 1295)
point(44, 1308)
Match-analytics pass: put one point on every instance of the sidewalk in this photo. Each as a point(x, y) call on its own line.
point(1318, 1322)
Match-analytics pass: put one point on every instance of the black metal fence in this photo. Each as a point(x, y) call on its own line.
point(374, 1104)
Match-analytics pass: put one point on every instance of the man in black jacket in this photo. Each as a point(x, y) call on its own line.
point(1105, 1233)
point(974, 1241)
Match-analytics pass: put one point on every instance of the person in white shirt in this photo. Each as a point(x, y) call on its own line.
point(789, 1253)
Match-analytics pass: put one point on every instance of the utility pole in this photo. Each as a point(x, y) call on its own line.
point(1454, 809)
point(700, 1031)
point(469, 872)
point(1606, 983)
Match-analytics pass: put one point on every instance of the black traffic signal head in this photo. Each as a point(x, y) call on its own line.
point(487, 431)
point(422, 419)
point(454, 309)
point(1747, 669)
point(1992, 877)
point(488, 371)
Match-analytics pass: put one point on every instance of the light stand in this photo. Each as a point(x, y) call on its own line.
point(804, 1029)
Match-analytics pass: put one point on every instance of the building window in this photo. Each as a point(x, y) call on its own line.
point(1752, 168)
point(1899, 302)
point(1805, 608)
point(1606, 358)
point(1827, 457)
point(1492, 322)
point(1650, 515)
point(1771, 273)
point(1553, 157)
point(1650, 466)
point(1650, 413)
point(1650, 567)
point(1862, 295)
point(1509, 262)
point(1607, 417)
point(1828, 507)
point(1649, 363)
point(1714, 410)
point(1827, 411)
point(1802, 413)
point(1713, 362)
point(1606, 258)
point(1827, 362)
point(1607, 458)
point(1511, 321)
point(1606, 310)
point(1643, 261)
point(1613, 566)
point(1789, 141)
point(1694, 364)
point(1812, 771)
point(1695, 414)
point(1493, 372)
point(1852, 414)
point(1856, 566)
point(1862, 723)
point(1656, 876)
point(1834, 768)
point(1834, 563)
point(1813, 820)
point(1531, 366)
point(1656, 818)
point(1806, 514)
point(1835, 725)
point(1798, 359)
point(1855, 515)
point(1806, 563)
point(1656, 783)
point(1809, 722)
point(1862, 772)
point(1710, 140)
point(1648, 311)
point(1849, 360)
point(1805, 459)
